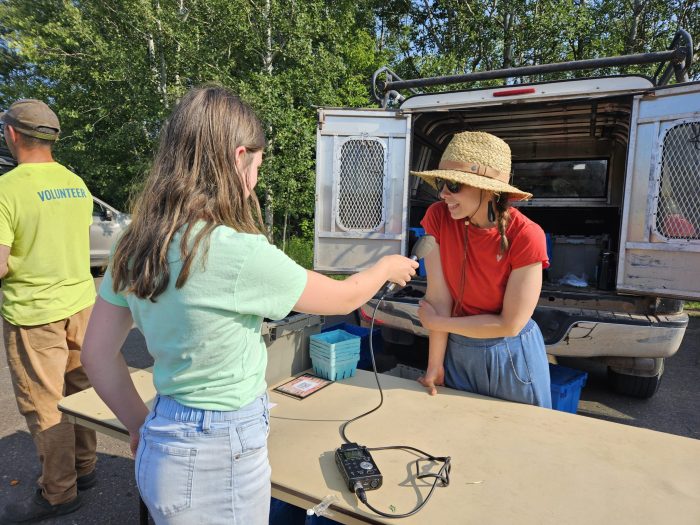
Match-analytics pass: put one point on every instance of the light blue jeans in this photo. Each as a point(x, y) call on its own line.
point(512, 368)
point(205, 466)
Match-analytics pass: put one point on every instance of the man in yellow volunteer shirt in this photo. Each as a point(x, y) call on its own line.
point(45, 217)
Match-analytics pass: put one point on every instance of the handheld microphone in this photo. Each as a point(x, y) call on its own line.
point(423, 247)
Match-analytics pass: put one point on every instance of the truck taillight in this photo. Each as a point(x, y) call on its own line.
point(368, 318)
point(514, 91)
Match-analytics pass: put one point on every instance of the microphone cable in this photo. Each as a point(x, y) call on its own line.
point(442, 476)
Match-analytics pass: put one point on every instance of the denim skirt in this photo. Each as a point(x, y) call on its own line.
point(205, 466)
point(512, 368)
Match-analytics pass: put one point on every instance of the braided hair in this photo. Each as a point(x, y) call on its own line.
point(502, 204)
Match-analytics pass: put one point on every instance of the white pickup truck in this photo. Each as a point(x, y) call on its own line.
point(614, 166)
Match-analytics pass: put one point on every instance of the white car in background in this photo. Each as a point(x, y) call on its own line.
point(107, 221)
point(107, 224)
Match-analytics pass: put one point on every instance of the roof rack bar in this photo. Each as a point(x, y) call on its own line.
point(681, 71)
point(675, 56)
point(675, 61)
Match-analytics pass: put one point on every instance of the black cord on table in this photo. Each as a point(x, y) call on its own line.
point(443, 475)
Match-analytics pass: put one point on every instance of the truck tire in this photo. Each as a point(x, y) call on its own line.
point(634, 386)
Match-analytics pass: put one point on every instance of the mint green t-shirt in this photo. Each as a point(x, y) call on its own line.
point(205, 338)
point(45, 218)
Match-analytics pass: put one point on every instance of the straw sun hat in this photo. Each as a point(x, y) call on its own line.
point(477, 159)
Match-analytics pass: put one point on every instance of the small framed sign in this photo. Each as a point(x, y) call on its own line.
point(303, 386)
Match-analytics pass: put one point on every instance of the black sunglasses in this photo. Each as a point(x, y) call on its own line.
point(452, 186)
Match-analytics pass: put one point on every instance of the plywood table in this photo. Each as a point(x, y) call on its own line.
point(88, 410)
point(511, 463)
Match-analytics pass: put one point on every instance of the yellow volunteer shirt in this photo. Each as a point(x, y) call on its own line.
point(45, 218)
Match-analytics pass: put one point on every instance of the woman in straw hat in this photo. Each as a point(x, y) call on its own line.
point(197, 275)
point(484, 279)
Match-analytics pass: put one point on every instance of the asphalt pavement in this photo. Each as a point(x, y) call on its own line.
point(115, 499)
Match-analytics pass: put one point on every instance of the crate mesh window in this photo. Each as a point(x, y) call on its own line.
point(678, 215)
point(361, 184)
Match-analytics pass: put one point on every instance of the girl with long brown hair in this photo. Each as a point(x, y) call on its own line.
point(197, 275)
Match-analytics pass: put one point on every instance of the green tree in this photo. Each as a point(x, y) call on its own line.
point(441, 37)
point(113, 68)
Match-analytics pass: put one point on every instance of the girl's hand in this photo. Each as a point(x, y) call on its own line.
point(399, 269)
point(427, 314)
point(433, 377)
point(133, 442)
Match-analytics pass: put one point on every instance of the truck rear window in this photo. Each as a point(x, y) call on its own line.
point(563, 179)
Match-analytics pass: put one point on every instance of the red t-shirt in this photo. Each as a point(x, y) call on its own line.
point(486, 271)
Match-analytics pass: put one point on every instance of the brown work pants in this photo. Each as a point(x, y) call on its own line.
point(45, 366)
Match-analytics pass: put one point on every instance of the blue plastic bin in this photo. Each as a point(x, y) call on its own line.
point(335, 341)
point(365, 362)
point(334, 370)
point(334, 354)
point(419, 232)
point(283, 513)
point(566, 385)
point(332, 357)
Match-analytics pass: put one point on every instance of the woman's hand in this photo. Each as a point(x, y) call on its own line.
point(428, 315)
point(433, 377)
point(399, 269)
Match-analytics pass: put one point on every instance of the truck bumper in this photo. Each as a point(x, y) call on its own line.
point(568, 332)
